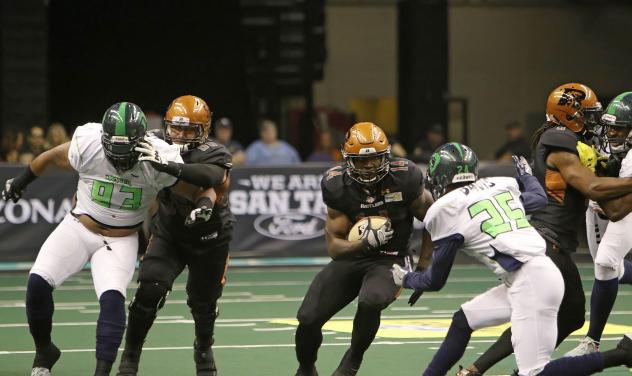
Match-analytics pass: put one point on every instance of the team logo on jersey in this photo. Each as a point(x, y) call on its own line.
point(292, 226)
point(393, 197)
point(370, 199)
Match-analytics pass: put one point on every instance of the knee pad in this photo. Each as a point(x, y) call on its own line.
point(605, 272)
point(374, 301)
point(149, 298)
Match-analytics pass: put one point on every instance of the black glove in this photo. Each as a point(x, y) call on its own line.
point(13, 188)
point(417, 293)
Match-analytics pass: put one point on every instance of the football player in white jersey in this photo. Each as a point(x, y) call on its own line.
point(486, 219)
point(113, 195)
point(609, 251)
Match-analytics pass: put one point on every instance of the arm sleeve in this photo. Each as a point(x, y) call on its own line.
point(532, 194)
point(200, 174)
point(435, 277)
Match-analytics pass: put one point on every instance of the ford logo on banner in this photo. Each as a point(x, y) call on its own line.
point(291, 226)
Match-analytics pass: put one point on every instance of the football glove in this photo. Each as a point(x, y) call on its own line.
point(150, 154)
point(198, 215)
point(398, 274)
point(375, 238)
point(522, 165)
point(11, 191)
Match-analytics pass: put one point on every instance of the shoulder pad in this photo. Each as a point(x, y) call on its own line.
point(211, 152)
point(560, 137)
point(332, 184)
point(410, 176)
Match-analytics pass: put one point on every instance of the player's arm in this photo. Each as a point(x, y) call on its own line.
point(532, 194)
point(585, 181)
point(336, 230)
point(420, 208)
point(617, 208)
point(55, 157)
point(203, 210)
point(200, 174)
point(435, 277)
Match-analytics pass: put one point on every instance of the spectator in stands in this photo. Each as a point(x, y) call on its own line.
point(326, 150)
point(224, 135)
point(56, 135)
point(397, 149)
point(435, 137)
point(11, 143)
point(269, 150)
point(516, 143)
point(35, 145)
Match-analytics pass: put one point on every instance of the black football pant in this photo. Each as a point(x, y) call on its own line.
point(338, 284)
point(570, 317)
point(160, 266)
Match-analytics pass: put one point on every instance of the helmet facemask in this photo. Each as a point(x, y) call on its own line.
point(358, 170)
point(119, 150)
point(184, 133)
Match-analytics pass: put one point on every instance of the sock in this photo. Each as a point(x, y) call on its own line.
point(574, 365)
point(626, 278)
point(39, 309)
point(604, 294)
point(365, 326)
point(501, 349)
point(452, 348)
point(110, 325)
point(308, 338)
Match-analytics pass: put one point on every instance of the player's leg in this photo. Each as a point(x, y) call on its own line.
point(332, 289)
point(113, 266)
point(535, 296)
point(204, 287)
point(608, 268)
point(377, 292)
point(487, 309)
point(592, 363)
point(159, 268)
point(570, 315)
point(65, 252)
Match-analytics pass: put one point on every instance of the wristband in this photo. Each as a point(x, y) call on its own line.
point(25, 178)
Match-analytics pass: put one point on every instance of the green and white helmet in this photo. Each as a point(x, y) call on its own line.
point(451, 163)
point(124, 125)
point(619, 114)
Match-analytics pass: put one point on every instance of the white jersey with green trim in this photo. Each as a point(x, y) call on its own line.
point(113, 198)
point(489, 215)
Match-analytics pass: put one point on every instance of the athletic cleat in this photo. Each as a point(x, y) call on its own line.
point(348, 366)
point(45, 359)
point(586, 346)
point(129, 362)
point(626, 345)
point(40, 371)
point(306, 372)
point(204, 361)
point(467, 372)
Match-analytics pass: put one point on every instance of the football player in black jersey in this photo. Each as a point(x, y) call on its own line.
point(192, 228)
point(369, 183)
point(564, 167)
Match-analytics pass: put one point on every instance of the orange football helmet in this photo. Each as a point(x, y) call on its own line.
point(582, 114)
point(366, 151)
point(187, 121)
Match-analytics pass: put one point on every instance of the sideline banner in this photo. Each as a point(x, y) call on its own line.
point(279, 211)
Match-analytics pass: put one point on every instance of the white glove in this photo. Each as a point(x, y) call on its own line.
point(398, 274)
point(150, 154)
point(198, 215)
point(522, 165)
point(374, 239)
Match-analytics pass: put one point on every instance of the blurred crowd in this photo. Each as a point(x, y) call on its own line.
point(268, 149)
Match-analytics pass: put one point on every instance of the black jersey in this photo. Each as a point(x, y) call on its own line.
point(559, 220)
point(173, 209)
point(391, 197)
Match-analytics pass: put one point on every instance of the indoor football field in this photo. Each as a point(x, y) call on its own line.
point(255, 330)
